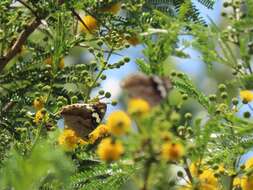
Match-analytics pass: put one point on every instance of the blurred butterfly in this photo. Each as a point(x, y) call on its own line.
point(153, 89)
point(83, 118)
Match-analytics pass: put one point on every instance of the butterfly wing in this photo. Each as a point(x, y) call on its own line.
point(83, 118)
point(150, 88)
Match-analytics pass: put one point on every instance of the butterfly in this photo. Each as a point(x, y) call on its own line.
point(83, 118)
point(153, 89)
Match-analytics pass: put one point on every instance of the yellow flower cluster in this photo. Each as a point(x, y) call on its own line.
point(38, 103)
point(138, 107)
point(119, 123)
point(69, 140)
point(245, 182)
point(172, 151)
point(110, 150)
point(91, 23)
point(40, 115)
point(206, 179)
point(246, 96)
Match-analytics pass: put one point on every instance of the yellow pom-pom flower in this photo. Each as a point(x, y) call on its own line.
point(99, 132)
point(119, 123)
point(246, 96)
point(138, 107)
point(38, 103)
point(249, 163)
point(114, 8)
point(172, 151)
point(247, 183)
point(91, 24)
point(68, 139)
point(206, 181)
point(237, 182)
point(40, 116)
point(109, 150)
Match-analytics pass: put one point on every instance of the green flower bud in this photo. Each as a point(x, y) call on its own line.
point(188, 116)
point(224, 95)
point(246, 114)
point(126, 59)
point(107, 94)
point(235, 101)
point(222, 87)
point(74, 99)
point(212, 97)
point(114, 102)
point(103, 77)
point(101, 92)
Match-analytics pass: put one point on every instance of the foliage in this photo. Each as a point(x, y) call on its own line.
point(51, 57)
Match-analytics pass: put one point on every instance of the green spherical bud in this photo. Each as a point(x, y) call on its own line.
point(223, 14)
point(103, 77)
point(99, 54)
point(188, 116)
point(74, 99)
point(235, 101)
point(185, 96)
point(226, 4)
point(84, 73)
point(246, 114)
point(100, 43)
point(114, 102)
point(91, 50)
point(180, 75)
point(212, 97)
point(59, 104)
point(101, 92)
point(222, 87)
point(107, 94)
point(224, 95)
point(215, 167)
point(234, 73)
point(126, 59)
point(242, 167)
point(173, 73)
point(190, 131)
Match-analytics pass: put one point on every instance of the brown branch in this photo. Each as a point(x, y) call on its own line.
point(19, 42)
point(14, 50)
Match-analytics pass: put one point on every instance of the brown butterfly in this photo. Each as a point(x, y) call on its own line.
point(83, 118)
point(153, 89)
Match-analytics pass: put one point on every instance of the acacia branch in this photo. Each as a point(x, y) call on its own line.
point(14, 50)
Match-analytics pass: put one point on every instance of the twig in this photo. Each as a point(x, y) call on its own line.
point(14, 50)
